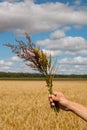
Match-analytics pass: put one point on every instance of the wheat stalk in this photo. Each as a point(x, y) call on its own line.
point(38, 60)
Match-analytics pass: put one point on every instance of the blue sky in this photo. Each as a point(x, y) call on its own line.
point(59, 27)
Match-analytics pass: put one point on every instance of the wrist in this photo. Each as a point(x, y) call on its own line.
point(70, 105)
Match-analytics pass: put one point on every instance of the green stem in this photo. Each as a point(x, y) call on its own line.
point(49, 81)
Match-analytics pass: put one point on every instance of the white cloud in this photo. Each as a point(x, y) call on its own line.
point(5, 63)
point(1, 62)
point(57, 34)
point(60, 33)
point(52, 53)
point(76, 60)
point(30, 17)
point(16, 59)
point(76, 65)
point(68, 45)
point(78, 52)
point(72, 69)
point(24, 68)
point(14, 64)
point(11, 1)
point(9, 63)
point(4, 69)
point(77, 2)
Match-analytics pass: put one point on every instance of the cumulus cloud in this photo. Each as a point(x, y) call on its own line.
point(76, 65)
point(68, 45)
point(16, 59)
point(77, 2)
point(72, 69)
point(14, 64)
point(76, 60)
point(28, 16)
point(52, 53)
point(57, 34)
point(10, 64)
point(11, 1)
point(78, 52)
point(5, 65)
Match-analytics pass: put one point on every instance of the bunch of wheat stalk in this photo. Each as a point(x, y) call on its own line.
point(37, 60)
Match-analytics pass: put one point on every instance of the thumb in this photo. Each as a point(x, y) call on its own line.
point(54, 97)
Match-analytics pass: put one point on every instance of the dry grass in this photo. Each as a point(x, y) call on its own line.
point(24, 106)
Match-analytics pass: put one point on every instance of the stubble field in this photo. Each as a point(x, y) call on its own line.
point(24, 105)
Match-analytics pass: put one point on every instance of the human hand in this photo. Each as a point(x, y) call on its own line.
point(68, 105)
point(60, 100)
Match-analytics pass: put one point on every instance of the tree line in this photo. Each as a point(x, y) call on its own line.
point(36, 75)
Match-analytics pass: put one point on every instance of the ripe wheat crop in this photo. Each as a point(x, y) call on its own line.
point(24, 106)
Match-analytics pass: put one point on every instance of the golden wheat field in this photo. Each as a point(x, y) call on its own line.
point(24, 105)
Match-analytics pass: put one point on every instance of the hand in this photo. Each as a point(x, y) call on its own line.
point(60, 99)
point(68, 105)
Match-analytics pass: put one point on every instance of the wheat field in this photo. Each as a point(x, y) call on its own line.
point(24, 105)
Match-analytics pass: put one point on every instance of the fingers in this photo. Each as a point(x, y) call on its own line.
point(58, 94)
point(59, 99)
point(55, 93)
point(53, 97)
point(52, 104)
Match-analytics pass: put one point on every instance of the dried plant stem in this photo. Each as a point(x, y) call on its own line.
point(37, 59)
point(49, 82)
